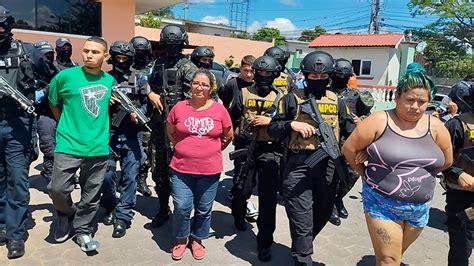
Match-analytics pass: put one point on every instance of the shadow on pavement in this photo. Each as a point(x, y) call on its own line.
point(367, 260)
point(147, 206)
point(163, 236)
point(438, 219)
point(223, 192)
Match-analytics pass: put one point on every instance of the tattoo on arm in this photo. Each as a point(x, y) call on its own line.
point(382, 232)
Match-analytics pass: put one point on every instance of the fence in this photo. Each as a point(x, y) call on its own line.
point(384, 96)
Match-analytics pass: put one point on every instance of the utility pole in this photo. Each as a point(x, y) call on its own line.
point(377, 17)
point(371, 23)
point(185, 9)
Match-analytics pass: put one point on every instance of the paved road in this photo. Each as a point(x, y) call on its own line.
point(348, 244)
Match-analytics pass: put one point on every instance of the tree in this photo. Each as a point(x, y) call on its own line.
point(309, 35)
point(267, 33)
point(456, 17)
point(229, 61)
point(242, 35)
point(448, 38)
point(164, 12)
point(150, 21)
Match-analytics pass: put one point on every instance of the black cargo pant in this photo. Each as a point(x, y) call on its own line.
point(461, 234)
point(47, 142)
point(159, 161)
point(309, 200)
point(267, 166)
point(145, 166)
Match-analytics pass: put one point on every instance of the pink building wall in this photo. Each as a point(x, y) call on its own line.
point(223, 46)
point(118, 18)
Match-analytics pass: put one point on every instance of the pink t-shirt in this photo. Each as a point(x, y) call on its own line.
point(198, 138)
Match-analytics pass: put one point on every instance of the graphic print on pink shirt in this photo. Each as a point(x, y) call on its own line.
point(404, 172)
point(199, 126)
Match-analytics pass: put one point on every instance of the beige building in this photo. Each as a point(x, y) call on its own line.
point(78, 19)
point(378, 59)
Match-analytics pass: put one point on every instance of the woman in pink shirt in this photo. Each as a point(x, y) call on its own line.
point(199, 129)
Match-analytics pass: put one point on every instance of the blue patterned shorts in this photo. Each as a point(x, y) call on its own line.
point(378, 206)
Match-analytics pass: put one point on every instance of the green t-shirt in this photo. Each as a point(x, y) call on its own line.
point(83, 128)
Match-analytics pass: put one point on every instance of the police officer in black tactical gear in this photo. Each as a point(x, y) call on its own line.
point(359, 103)
point(169, 81)
point(309, 193)
point(125, 142)
point(18, 150)
point(459, 177)
point(63, 54)
point(203, 57)
point(286, 81)
point(142, 66)
point(252, 111)
point(46, 122)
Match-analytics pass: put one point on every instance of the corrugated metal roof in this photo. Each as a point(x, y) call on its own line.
point(355, 40)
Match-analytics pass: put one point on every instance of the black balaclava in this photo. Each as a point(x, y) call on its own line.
point(263, 84)
point(64, 55)
point(141, 58)
point(339, 83)
point(122, 67)
point(173, 50)
point(5, 38)
point(316, 87)
point(204, 65)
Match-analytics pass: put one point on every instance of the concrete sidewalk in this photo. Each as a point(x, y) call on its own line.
point(348, 244)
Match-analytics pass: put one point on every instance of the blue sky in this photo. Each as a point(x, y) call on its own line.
point(292, 16)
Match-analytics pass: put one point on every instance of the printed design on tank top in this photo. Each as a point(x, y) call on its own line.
point(90, 96)
point(410, 179)
point(199, 126)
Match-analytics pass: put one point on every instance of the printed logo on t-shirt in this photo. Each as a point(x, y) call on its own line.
point(90, 96)
point(199, 126)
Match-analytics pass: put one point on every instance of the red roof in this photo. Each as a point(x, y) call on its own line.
point(352, 40)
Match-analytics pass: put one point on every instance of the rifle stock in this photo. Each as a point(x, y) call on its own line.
point(238, 154)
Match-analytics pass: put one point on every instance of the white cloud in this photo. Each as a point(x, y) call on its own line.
point(289, 2)
point(253, 27)
point(286, 27)
point(216, 20)
point(202, 1)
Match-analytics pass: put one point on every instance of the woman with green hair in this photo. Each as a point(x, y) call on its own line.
point(406, 148)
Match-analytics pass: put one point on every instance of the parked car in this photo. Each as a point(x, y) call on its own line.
point(222, 72)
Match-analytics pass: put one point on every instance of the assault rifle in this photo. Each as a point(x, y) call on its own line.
point(128, 107)
point(246, 169)
point(329, 144)
point(7, 90)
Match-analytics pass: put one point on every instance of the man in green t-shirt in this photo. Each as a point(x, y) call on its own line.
point(79, 98)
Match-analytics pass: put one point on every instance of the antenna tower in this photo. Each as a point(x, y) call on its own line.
point(239, 14)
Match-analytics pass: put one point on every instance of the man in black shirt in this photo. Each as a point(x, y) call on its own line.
point(232, 88)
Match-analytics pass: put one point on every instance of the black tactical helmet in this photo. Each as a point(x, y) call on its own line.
point(344, 67)
point(201, 51)
point(172, 34)
point(461, 92)
point(267, 63)
point(123, 48)
point(6, 19)
point(140, 43)
point(317, 62)
point(279, 54)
